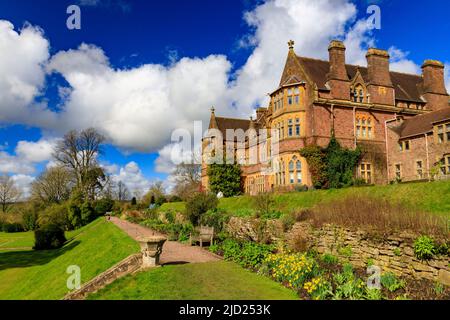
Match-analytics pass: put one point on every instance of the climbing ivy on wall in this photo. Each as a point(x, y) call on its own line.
point(333, 166)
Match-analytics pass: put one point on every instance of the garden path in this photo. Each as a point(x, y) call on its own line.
point(173, 251)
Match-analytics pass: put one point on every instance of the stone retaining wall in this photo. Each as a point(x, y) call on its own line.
point(127, 266)
point(392, 254)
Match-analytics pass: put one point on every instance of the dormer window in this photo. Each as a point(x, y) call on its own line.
point(358, 93)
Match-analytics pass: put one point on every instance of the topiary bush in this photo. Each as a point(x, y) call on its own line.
point(198, 205)
point(103, 206)
point(49, 237)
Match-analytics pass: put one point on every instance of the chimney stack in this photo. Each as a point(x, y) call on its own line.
point(337, 61)
point(379, 85)
point(434, 90)
point(337, 76)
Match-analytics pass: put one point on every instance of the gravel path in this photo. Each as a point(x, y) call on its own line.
point(173, 252)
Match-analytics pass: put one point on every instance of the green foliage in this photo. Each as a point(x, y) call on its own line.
point(397, 252)
point(74, 216)
point(391, 282)
point(49, 237)
point(102, 206)
point(330, 259)
point(340, 163)
point(170, 216)
point(56, 214)
point(30, 220)
point(348, 286)
point(316, 158)
point(198, 205)
point(87, 213)
point(225, 178)
point(424, 248)
point(333, 166)
point(215, 218)
point(374, 294)
point(11, 227)
point(264, 204)
point(443, 249)
point(346, 251)
point(247, 254)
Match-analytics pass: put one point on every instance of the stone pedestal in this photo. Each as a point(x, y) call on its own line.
point(151, 248)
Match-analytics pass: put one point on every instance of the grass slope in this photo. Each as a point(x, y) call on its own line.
point(41, 275)
point(432, 197)
point(205, 281)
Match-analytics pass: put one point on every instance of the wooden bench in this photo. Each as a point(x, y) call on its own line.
point(202, 234)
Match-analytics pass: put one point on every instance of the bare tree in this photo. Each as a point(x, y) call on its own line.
point(9, 193)
point(187, 178)
point(53, 185)
point(78, 152)
point(122, 192)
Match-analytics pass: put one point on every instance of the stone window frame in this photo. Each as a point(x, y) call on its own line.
point(445, 165)
point(366, 172)
point(364, 123)
point(293, 96)
point(290, 128)
point(419, 169)
point(398, 170)
point(404, 145)
point(297, 127)
point(442, 133)
point(358, 93)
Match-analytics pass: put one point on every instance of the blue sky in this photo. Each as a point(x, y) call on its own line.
point(150, 67)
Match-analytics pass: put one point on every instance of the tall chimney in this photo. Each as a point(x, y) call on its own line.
point(379, 85)
point(434, 90)
point(337, 76)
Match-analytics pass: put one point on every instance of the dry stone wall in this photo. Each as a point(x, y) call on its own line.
point(394, 253)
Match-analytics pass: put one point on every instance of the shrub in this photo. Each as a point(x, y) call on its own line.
point(247, 254)
point(330, 259)
point(103, 206)
point(348, 286)
point(424, 248)
point(56, 214)
point(215, 218)
point(49, 237)
point(225, 178)
point(74, 216)
point(170, 217)
point(11, 227)
point(288, 221)
point(391, 283)
point(30, 220)
point(87, 213)
point(198, 205)
point(263, 204)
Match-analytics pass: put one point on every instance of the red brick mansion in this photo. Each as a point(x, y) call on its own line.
point(401, 121)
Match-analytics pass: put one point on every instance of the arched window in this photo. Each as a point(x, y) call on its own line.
point(299, 172)
point(291, 172)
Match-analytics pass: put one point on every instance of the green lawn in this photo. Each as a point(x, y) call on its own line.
point(433, 197)
point(27, 274)
point(205, 281)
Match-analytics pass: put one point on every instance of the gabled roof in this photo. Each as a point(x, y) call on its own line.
point(231, 123)
point(422, 124)
point(407, 86)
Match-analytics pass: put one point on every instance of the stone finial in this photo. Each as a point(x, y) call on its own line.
point(291, 44)
point(213, 110)
point(336, 44)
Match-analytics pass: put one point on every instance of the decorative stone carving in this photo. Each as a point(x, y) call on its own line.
point(151, 248)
